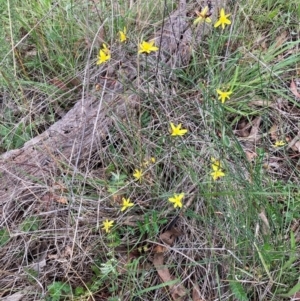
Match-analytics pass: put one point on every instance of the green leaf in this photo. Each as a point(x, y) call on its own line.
point(4, 237)
point(226, 141)
point(156, 287)
point(238, 291)
point(292, 291)
point(293, 255)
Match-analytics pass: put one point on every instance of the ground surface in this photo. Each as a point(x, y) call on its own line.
point(99, 201)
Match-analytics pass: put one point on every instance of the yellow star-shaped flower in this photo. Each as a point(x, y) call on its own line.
point(177, 130)
point(202, 16)
point(177, 200)
point(217, 169)
point(223, 95)
point(216, 174)
point(147, 47)
point(126, 204)
point(123, 36)
point(279, 143)
point(104, 55)
point(215, 164)
point(107, 225)
point(223, 19)
point(138, 174)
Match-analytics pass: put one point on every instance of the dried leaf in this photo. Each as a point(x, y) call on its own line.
point(47, 197)
point(159, 249)
point(59, 84)
point(177, 291)
point(296, 146)
point(250, 155)
point(273, 132)
point(67, 251)
point(196, 296)
point(122, 267)
point(281, 39)
point(31, 53)
point(169, 236)
point(59, 186)
point(39, 266)
point(294, 89)
point(255, 126)
point(61, 199)
point(243, 129)
point(266, 225)
point(296, 296)
point(261, 103)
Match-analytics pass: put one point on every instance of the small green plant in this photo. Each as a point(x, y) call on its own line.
point(31, 223)
point(151, 223)
point(31, 274)
point(238, 291)
point(57, 290)
point(13, 138)
point(116, 182)
point(4, 237)
point(105, 272)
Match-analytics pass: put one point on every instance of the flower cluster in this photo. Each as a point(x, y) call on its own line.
point(175, 130)
point(204, 16)
point(144, 47)
point(139, 172)
point(148, 47)
point(217, 169)
point(108, 224)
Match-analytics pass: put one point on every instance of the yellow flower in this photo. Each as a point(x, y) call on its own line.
point(123, 37)
point(104, 55)
point(217, 169)
point(223, 19)
point(223, 95)
point(215, 164)
point(177, 130)
point(146, 163)
point(202, 16)
point(177, 200)
point(147, 47)
point(107, 225)
point(126, 204)
point(279, 143)
point(138, 174)
point(216, 174)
